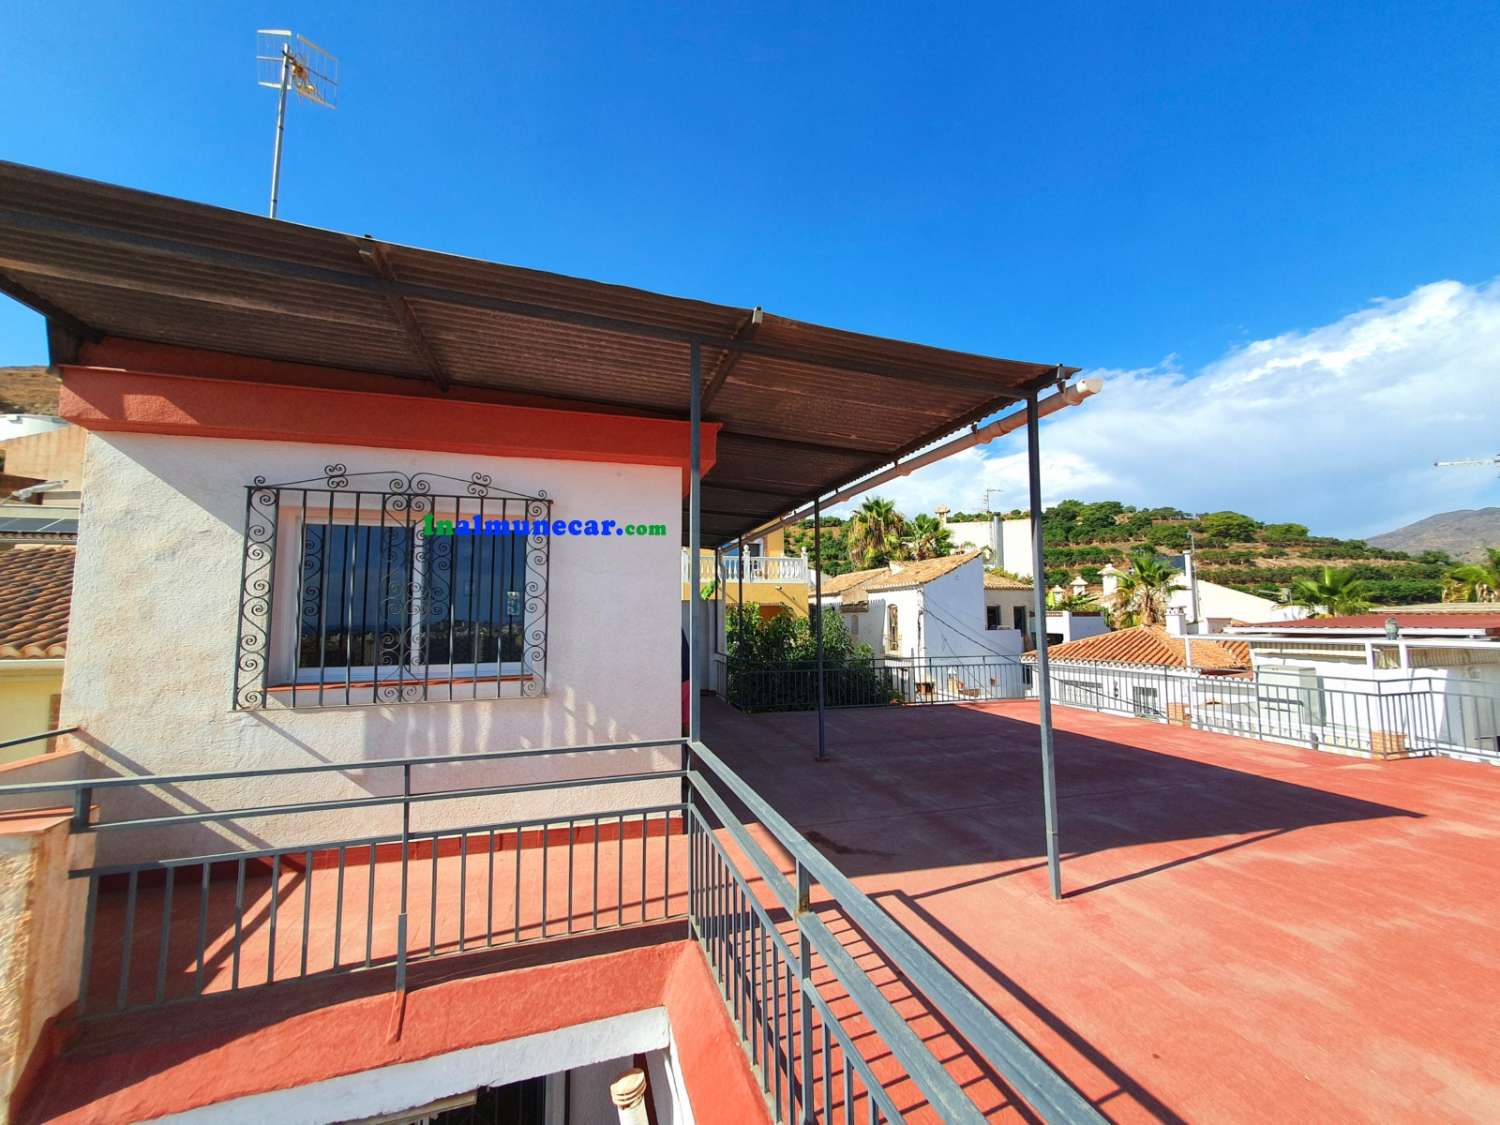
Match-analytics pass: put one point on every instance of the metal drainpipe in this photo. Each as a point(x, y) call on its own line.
point(1044, 684)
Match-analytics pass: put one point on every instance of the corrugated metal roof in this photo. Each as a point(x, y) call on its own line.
point(804, 408)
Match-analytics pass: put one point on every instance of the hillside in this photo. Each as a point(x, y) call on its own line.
point(27, 390)
point(1232, 549)
point(1464, 534)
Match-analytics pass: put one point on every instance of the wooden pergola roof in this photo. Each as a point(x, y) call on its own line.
point(803, 408)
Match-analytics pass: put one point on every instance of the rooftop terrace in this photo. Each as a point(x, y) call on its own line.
point(1250, 931)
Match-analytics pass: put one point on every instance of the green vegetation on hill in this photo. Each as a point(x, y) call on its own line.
point(1232, 549)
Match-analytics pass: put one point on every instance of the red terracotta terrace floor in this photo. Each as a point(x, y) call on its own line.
point(1249, 931)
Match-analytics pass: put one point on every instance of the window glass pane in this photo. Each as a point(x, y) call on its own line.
point(471, 599)
point(355, 587)
point(362, 586)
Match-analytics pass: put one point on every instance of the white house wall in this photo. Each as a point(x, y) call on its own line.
point(152, 647)
point(953, 617)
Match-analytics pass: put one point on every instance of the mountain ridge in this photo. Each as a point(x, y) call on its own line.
point(1464, 533)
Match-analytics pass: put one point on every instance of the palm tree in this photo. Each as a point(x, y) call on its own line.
point(1073, 603)
point(874, 535)
point(928, 538)
point(1332, 594)
point(1475, 582)
point(1145, 589)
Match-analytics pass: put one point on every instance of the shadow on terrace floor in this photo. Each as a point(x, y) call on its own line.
point(913, 788)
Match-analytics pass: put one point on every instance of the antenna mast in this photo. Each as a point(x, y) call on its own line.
point(284, 61)
point(1467, 462)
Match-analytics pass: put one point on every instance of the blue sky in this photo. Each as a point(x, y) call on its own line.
point(1134, 188)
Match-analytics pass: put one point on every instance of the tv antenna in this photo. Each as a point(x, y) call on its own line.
point(1468, 462)
point(988, 492)
point(284, 61)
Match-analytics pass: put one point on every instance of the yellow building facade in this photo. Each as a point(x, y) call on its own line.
point(776, 582)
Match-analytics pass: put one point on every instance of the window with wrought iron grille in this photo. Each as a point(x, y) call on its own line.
point(351, 594)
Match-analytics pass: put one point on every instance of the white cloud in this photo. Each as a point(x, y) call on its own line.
point(1336, 427)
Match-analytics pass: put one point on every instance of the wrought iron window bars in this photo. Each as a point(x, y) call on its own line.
point(346, 601)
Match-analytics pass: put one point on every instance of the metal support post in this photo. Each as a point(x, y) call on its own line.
point(695, 539)
point(1044, 682)
point(818, 624)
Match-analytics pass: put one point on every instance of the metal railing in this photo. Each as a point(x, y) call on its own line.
point(47, 735)
point(1384, 717)
point(808, 1014)
point(768, 973)
point(758, 568)
point(868, 682)
point(283, 921)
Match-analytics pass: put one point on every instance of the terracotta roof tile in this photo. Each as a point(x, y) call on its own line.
point(838, 583)
point(993, 581)
point(911, 574)
point(1153, 646)
point(36, 584)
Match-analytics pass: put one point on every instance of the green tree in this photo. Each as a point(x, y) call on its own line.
point(1145, 589)
point(1283, 532)
point(1073, 603)
point(1232, 527)
point(1168, 536)
point(927, 538)
point(1333, 593)
point(875, 534)
point(1474, 582)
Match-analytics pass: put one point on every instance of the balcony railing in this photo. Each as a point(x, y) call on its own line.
point(779, 570)
point(868, 682)
point(822, 1038)
point(1427, 715)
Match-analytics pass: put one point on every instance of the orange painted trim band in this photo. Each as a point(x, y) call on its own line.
point(107, 400)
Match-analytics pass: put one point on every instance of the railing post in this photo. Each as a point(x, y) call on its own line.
point(83, 802)
point(804, 987)
point(405, 863)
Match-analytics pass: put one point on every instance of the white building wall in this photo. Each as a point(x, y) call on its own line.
point(151, 649)
point(975, 535)
point(952, 610)
point(1015, 547)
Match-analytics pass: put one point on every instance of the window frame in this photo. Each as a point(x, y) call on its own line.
point(268, 671)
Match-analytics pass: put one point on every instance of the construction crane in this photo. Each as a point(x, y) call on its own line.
point(1468, 461)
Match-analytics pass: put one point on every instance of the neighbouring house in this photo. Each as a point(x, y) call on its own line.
point(1133, 670)
point(1418, 677)
point(931, 609)
point(1005, 543)
point(1009, 604)
point(1391, 644)
point(36, 586)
